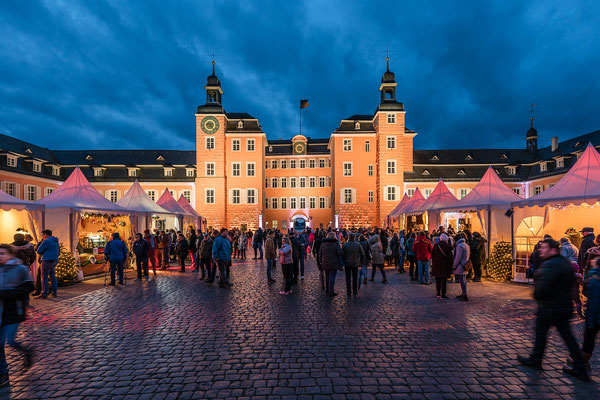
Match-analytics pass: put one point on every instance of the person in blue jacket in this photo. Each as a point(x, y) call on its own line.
point(49, 250)
point(115, 253)
point(221, 253)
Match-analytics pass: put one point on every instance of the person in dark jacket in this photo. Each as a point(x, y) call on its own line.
point(478, 256)
point(552, 290)
point(395, 246)
point(592, 313)
point(442, 260)
point(49, 250)
point(182, 250)
point(221, 254)
point(296, 253)
point(15, 286)
point(378, 257)
point(586, 244)
point(353, 258)
point(115, 253)
point(140, 249)
point(192, 245)
point(152, 250)
point(257, 242)
point(330, 254)
point(412, 257)
point(319, 236)
point(206, 258)
point(25, 251)
point(362, 276)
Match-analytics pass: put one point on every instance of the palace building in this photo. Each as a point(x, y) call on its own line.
point(236, 177)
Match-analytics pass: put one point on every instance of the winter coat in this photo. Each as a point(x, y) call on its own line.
point(15, 286)
point(115, 251)
point(552, 287)
point(384, 241)
point(243, 242)
point(330, 253)
point(206, 249)
point(192, 243)
point(478, 250)
point(257, 239)
point(353, 254)
point(25, 252)
point(182, 249)
point(270, 249)
point(221, 249)
point(285, 254)
point(409, 247)
point(442, 260)
point(569, 251)
point(163, 241)
point(367, 250)
point(586, 244)
point(377, 255)
point(152, 244)
point(592, 291)
point(140, 249)
point(395, 244)
point(296, 248)
point(461, 257)
point(422, 248)
point(49, 249)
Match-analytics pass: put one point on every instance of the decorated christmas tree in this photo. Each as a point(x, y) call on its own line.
point(66, 269)
point(500, 263)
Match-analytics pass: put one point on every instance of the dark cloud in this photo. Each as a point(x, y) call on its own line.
point(130, 74)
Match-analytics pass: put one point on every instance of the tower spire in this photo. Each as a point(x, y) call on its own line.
point(213, 63)
point(387, 62)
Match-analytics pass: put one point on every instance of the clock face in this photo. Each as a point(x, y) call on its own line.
point(299, 148)
point(210, 125)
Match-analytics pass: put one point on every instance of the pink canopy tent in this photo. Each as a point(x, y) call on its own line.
point(394, 213)
point(573, 202)
point(136, 199)
point(167, 202)
point(413, 203)
point(191, 212)
point(16, 213)
point(65, 206)
point(440, 197)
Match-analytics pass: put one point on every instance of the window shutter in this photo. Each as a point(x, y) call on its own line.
point(230, 201)
point(342, 198)
point(18, 190)
point(107, 194)
point(353, 196)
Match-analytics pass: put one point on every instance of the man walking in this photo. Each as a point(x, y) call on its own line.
point(49, 250)
point(423, 249)
point(353, 259)
point(552, 290)
point(586, 244)
point(205, 257)
point(270, 254)
point(115, 253)
point(140, 249)
point(296, 252)
point(221, 252)
point(257, 243)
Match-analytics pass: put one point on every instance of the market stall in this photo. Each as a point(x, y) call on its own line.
point(192, 220)
point(83, 220)
point(440, 197)
point(394, 215)
point(409, 219)
point(175, 221)
point(137, 200)
point(563, 209)
point(19, 216)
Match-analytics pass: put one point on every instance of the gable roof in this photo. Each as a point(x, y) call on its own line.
point(167, 202)
point(187, 206)
point(414, 203)
point(395, 211)
point(440, 197)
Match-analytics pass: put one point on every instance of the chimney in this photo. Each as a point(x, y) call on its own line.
point(555, 143)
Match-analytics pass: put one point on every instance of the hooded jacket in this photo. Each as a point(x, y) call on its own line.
point(221, 249)
point(330, 253)
point(25, 252)
point(15, 286)
point(377, 257)
point(49, 249)
point(115, 250)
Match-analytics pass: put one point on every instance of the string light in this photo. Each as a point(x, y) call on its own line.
point(66, 269)
point(500, 262)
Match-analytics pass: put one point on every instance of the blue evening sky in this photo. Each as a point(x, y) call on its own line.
point(130, 74)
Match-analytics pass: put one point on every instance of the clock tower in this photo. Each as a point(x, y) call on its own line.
point(211, 163)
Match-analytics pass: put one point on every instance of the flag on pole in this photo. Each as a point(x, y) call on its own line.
point(303, 103)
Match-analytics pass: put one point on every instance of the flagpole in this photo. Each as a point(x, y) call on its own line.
point(301, 118)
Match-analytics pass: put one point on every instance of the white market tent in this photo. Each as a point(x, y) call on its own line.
point(441, 197)
point(16, 213)
point(136, 199)
point(65, 205)
point(412, 204)
point(489, 200)
point(192, 216)
point(169, 203)
point(394, 213)
point(573, 202)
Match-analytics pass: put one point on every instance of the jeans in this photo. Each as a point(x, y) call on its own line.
point(223, 276)
point(205, 266)
point(542, 326)
point(462, 279)
point(302, 263)
point(270, 262)
point(362, 274)
point(330, 280)
point(165, 257)
point(142, 266)
point(116, 266)
point(7, 335)
point(182, 262)
point(49, 273)
point(589, 337)
point(295, 269)
point(286, 269)
point(380, 266)
point(351, 280)
point(424, 271)
point(401, 264)
point(477, 271)
point(440, 286)
point(259, 248)
point(412, 269)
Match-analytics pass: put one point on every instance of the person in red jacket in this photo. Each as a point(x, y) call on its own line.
point(423, 248)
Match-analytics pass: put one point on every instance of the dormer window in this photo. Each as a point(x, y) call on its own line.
point(435, 158)
point(99, 171)
point(88, 158)
point(468, 157)
point(270, 149)
point(190, 172)
point(503, 157)
point(560, 162)
point(240, 125)
point(543, 167)
point(168, 171)
point(357, 125)
point(511, 170)
point(133, 171)
point(36, 166)
point(426, 172)
point(11, 161)
point(461, 172)
point(55, 170)
point(160, 158)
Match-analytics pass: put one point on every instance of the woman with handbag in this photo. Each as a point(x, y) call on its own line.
point(442, 260)
point(462, 264)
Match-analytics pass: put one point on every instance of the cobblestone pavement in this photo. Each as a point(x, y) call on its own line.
point(177, 337)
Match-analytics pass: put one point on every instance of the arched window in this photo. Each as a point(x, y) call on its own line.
point(357, 125)
point(212, 97)
point(240, 125)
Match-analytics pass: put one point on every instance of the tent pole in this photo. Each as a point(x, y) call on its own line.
point(489, 244)
point(512, 242)
point(71, 231)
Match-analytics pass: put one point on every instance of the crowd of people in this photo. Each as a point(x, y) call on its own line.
point(559, 268)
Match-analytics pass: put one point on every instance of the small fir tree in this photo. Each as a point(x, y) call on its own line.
point(66, 269)
point(500, 263)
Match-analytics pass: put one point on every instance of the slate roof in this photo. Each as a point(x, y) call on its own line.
point(284, 147)
point(11, 144)
point(126, 157)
